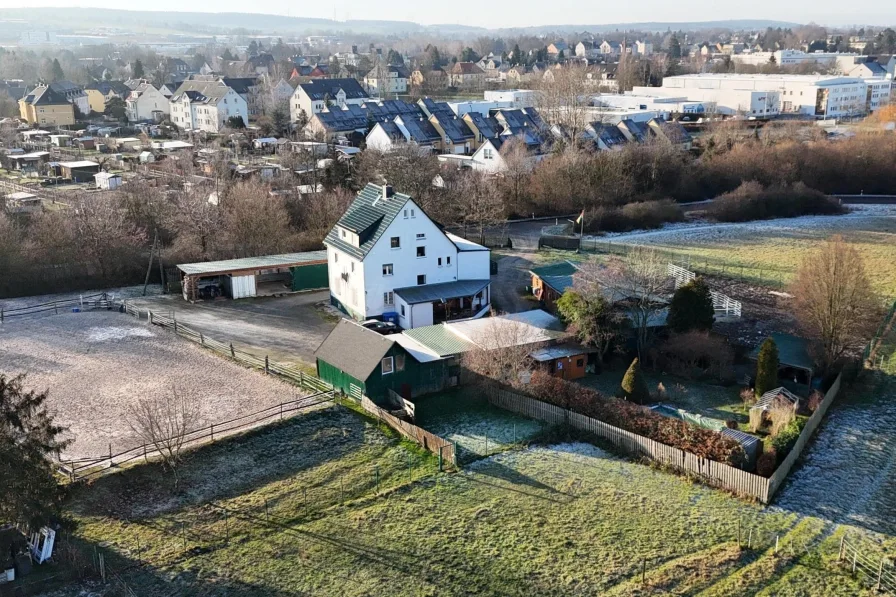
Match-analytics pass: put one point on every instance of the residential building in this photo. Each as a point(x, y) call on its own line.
point(46, 107)
point(206, 104)
point(406, 129)
point(466, 75)
point(387, 258)
point(321, 94)
point(456, 136)
point(588, 50)
point(384, 80)
point(100, 92)
point(145, 102)
point(643, 48)
point(74, 93)
point(606, 137)
point(670, 132)
point(610, 49)
point(555, 48)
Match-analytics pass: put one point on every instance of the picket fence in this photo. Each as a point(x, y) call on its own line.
point(430, 441)
point(708, 471)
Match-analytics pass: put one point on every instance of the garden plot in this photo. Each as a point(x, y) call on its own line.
point(97, 364)
point(478, 427)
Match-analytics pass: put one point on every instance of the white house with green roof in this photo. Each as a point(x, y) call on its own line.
point(388, 259)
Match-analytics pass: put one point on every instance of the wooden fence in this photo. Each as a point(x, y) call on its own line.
point(777, 479)
point(86, 468)
point(877, 572)
point(430, 441)
point(169, 320)
point(710, 472)
point(99, 300)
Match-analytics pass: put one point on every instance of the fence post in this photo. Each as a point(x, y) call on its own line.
point(440, 458)
point(145, 458)
point(643, 573)
point(281, 411)
point(840, 555)
point(376, 472)
point(213, 432)
point(201, 339)
point(880, 574)
point(855, 556)
point(71, 472)
point(267, 365)
point(149, 315)
point(232, 352)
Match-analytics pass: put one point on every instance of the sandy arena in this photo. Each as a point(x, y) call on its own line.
point(96, 364)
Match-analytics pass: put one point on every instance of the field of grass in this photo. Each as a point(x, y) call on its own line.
point(552, 520)
point(770, 252)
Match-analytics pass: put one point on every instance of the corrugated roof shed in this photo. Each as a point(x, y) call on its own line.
point(354, 349)
point(439, 339)
point(557, 276)
point(264, 262)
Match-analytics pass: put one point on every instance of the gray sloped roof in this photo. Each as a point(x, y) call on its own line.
point(354, 350)
point(420, 129)
point(319, 89)
point(428, 293)
point(369, 215)
point(264, 262)
point(455, 128)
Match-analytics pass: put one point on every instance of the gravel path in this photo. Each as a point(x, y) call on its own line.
point(507, 287)
point(97, 364)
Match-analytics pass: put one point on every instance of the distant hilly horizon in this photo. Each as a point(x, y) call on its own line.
point(202, 22)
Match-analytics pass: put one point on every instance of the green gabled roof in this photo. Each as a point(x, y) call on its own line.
point(558, 276)
point(439, 339)
point(368, 216)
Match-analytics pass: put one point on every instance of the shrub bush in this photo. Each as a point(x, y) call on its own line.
point(783, 442)
point(634, 216)
point(634, 386)
point(637, 419)
point(731, 424)
point(752, 201)
point(814, 401)
point(767, 364)
point(766, 464)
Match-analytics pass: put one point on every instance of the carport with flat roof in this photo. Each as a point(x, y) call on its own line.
point(254, 276)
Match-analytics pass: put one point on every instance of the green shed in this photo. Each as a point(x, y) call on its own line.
point(312, 276)
point(359, 361)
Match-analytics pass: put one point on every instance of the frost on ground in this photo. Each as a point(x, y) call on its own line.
point(849, 474)
point(97, 364)
point(115, 294)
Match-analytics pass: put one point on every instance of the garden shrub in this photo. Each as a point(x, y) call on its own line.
point(633, 216)
point(634, 386)
point(691, 308)
point(731, 424)
point(636, 419)
point(767, 365)
point(752, 201)
point(783, 442)
point(766, 464)
point(780, 415)
point(814, 401)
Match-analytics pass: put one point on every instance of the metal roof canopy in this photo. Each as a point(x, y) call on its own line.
point(429, 293)
point(793, 351)
point(549, 353)
point(211, 268)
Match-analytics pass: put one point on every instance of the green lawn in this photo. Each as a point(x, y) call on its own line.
point(558, 520)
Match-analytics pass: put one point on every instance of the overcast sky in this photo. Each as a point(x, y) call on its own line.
point(524, 12)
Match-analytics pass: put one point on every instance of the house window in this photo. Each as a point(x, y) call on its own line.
point(449, 260)
point(421, 279)
point(353, 266)
point(402, 310)
point(387, 269)
point(387, 365)
point(412, 213)
point(335, 257)
point(395, 242)
point(343, 233)
point(421, 236)
point(421, 251)
point(440, 262)
point(405, 214)
point(487, 154)
point(399, 362)
point(388, 299)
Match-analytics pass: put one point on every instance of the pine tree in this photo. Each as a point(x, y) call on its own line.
point(138, 70)
point(767, 367)
point(634, 386)
point(58, 75)
point(691, 308)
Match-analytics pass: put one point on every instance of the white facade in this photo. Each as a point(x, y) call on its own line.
point(488, 159)
point(144, 102)
point(512, 98)
point(879, 93)
point(383, 81)
point(769, 95)
point(207, 114)
point(301, 102)
point(411, 251)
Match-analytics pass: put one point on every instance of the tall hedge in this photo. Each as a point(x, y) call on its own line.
point(634, 386)
point(767, 367)
point(691, 308)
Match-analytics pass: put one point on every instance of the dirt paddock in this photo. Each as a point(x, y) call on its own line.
point(96, 364)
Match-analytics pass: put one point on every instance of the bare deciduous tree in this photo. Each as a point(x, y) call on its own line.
point(164, 422)
point(639, 283)
point(479, 202)
point(565, 99)
point(502, 352)
point(105, 236)
point(834, 301)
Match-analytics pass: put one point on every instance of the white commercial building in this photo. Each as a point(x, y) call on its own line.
point(516, 98)
point(658, 105)
point(766, 96)
point(388, 259)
